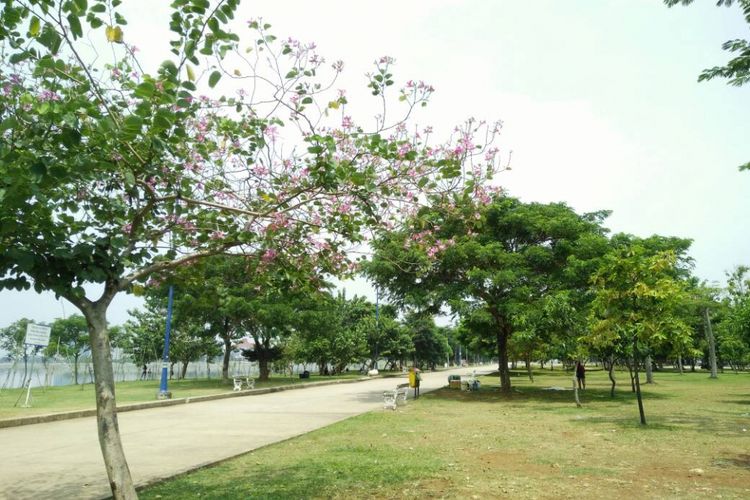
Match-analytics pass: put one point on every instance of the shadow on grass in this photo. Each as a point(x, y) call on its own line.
point(714, 426)
point(745, 402)
point(542, 394)
point(742, 461)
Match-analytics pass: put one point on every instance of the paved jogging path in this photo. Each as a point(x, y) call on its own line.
point(63, 460)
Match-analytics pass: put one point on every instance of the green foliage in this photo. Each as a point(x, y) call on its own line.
point(70, 338)
point(12, 337)
point(494, 262)
point(737, 70)
point(111, 172)
point(638, 291)
point(333, 330)
point(431, 347)
point(734, 330)
point(143, 337)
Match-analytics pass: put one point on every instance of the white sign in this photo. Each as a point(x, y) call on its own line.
point(37, 335)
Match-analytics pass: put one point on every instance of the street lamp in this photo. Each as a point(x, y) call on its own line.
point(163, 392)
point(377, 325)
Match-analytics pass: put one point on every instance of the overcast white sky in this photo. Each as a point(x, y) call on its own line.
point(599, 99)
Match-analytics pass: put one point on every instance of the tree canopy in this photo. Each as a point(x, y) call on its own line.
point(111, 171)
point(498, 255)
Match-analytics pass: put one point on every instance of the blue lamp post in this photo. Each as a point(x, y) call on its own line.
point(377, 325)
point(163, 392)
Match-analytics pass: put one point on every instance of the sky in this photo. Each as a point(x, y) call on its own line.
point(600, 104)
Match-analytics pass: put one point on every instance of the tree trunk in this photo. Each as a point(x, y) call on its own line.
point(227, 352)
point(638, 383)
point(649, 370)
point(183, 372)
point(611, 373)
point(629, 364)
point(711, 344)
point(75, 368)
point(679, 364)
point(528, 370)
point(502, 355)
point(263, 368)
point(120, 481)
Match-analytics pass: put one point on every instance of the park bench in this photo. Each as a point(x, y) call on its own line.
point(392, 398)
point(239, 381)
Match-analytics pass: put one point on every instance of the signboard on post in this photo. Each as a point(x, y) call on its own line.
point(37, 335)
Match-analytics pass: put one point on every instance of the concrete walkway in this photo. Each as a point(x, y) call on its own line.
point(63, 459)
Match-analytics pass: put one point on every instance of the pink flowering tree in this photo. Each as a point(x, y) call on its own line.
point(112, 173)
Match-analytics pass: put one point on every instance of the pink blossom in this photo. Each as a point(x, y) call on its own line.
point(218, 235)
point(490, 154)
point(269, 255)
point(272, 132)
point(153, 282)
point(48, 95)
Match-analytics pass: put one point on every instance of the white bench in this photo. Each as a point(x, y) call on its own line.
point(392, 398)
point(248, 382)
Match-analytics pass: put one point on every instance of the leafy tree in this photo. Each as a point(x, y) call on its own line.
point(333, 331)
point(237, 296)
point(143, 336)
point(189, 343)
point(70, 338)
point(638, 290)
point(497, 255)
point(12, 337)
point(430, 341)
point(734, 330)
point(111, 172)
point(270, 323)
point(388, 338)
point(736, 70)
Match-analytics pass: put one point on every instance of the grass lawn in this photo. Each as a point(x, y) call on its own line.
point(533, 443)
point(81, 397)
